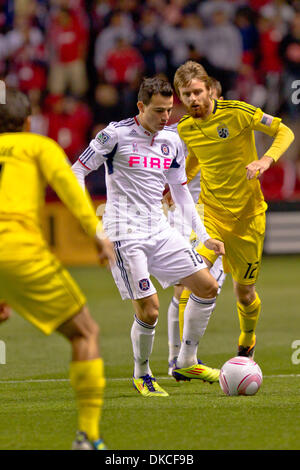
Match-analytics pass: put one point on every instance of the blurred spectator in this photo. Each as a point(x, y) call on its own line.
point(106, 106)
point(290, 54)
point(123, 64)
point(149, 43)
point(68, 123)
point(101, 9)
point(67, 43)
point(183, 39)
point(223, 50)
point(280, 13)
point(245, 22)
point(270, 64)
point(120, 26)
point(208, 9)
point(38, 120)
point(26, 51)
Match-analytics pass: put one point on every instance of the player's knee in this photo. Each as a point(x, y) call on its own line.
point(246, 298)
point(207, 291)
point(245, 294)
point(178, 289)
point(150, 311)
point(81, 325)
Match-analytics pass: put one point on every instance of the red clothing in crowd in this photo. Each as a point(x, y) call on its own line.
point(69, 128)
point(269, 50)
point(122, 65)
point(68, 37)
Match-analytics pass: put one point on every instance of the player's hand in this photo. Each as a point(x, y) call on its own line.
point(167, 199)
point(258, 167)
point(5, 312)
point(216, 246)
point(106, 252)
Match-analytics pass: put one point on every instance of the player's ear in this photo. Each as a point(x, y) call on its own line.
point(141, 106)
point(27, 124)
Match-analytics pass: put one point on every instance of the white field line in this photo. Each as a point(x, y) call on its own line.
point(123, 379)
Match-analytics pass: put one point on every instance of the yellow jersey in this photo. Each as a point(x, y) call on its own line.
point(221, 146)
point(28, 162)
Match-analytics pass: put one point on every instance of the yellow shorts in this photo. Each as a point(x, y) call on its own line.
point(243, 246)
point(38, 287)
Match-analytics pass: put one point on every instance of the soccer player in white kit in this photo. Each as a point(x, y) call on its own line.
point(141, 154)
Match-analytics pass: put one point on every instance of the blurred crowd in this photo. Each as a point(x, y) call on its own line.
point(81, 63)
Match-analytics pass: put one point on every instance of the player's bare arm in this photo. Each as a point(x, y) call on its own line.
point(183, 199)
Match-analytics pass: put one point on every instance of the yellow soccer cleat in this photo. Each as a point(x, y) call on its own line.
point(197, 371)
point(148, 387)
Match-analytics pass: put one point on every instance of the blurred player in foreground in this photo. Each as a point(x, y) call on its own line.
point(220, 139)
point(32, 280)
point(179, 301)
point(141, 154)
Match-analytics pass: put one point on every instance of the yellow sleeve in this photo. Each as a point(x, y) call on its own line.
point(265, 123)
point(282, 140)
point(192, 166)
point(56, 169)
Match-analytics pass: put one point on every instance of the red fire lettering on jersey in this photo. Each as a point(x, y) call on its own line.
point(167, 163)
point(154, 162)
point(134, 160)
point(149, 162)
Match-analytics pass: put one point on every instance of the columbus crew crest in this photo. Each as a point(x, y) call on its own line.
point(223, 131)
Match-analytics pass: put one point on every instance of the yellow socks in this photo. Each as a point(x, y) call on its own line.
point(248, 316)
point(88, 382)
point(182, 304)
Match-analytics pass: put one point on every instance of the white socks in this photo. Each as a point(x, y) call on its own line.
point(142, 338)
point(173, 329)
point(196, 316)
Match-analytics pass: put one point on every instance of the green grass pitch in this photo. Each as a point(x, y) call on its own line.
point(36, 402)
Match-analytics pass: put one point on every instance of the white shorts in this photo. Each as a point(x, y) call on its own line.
point(167, 256)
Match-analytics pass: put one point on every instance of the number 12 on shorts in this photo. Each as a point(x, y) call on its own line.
point(251, 270)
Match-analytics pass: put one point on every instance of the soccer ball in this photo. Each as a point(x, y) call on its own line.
point(240, 376)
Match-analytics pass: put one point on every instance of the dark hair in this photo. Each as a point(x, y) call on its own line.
point(14, 112)
point(154, 86)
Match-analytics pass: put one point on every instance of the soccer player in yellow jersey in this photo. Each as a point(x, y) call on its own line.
point(220, 139)
point(32, 280)
point(178, 303)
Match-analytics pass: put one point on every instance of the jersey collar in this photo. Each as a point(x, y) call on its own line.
point(143, 130)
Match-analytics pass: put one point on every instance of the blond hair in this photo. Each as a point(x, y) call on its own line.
point(186, 72)
point(216, 85)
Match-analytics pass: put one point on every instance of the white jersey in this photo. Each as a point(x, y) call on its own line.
point(138, 166)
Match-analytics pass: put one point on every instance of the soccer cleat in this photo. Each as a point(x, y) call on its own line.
point(172, 363)
point(196, 371)
point(148, 387)
point(246, 351)
point(82, 443)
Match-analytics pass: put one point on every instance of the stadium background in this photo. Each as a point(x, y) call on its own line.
point(81, 62)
